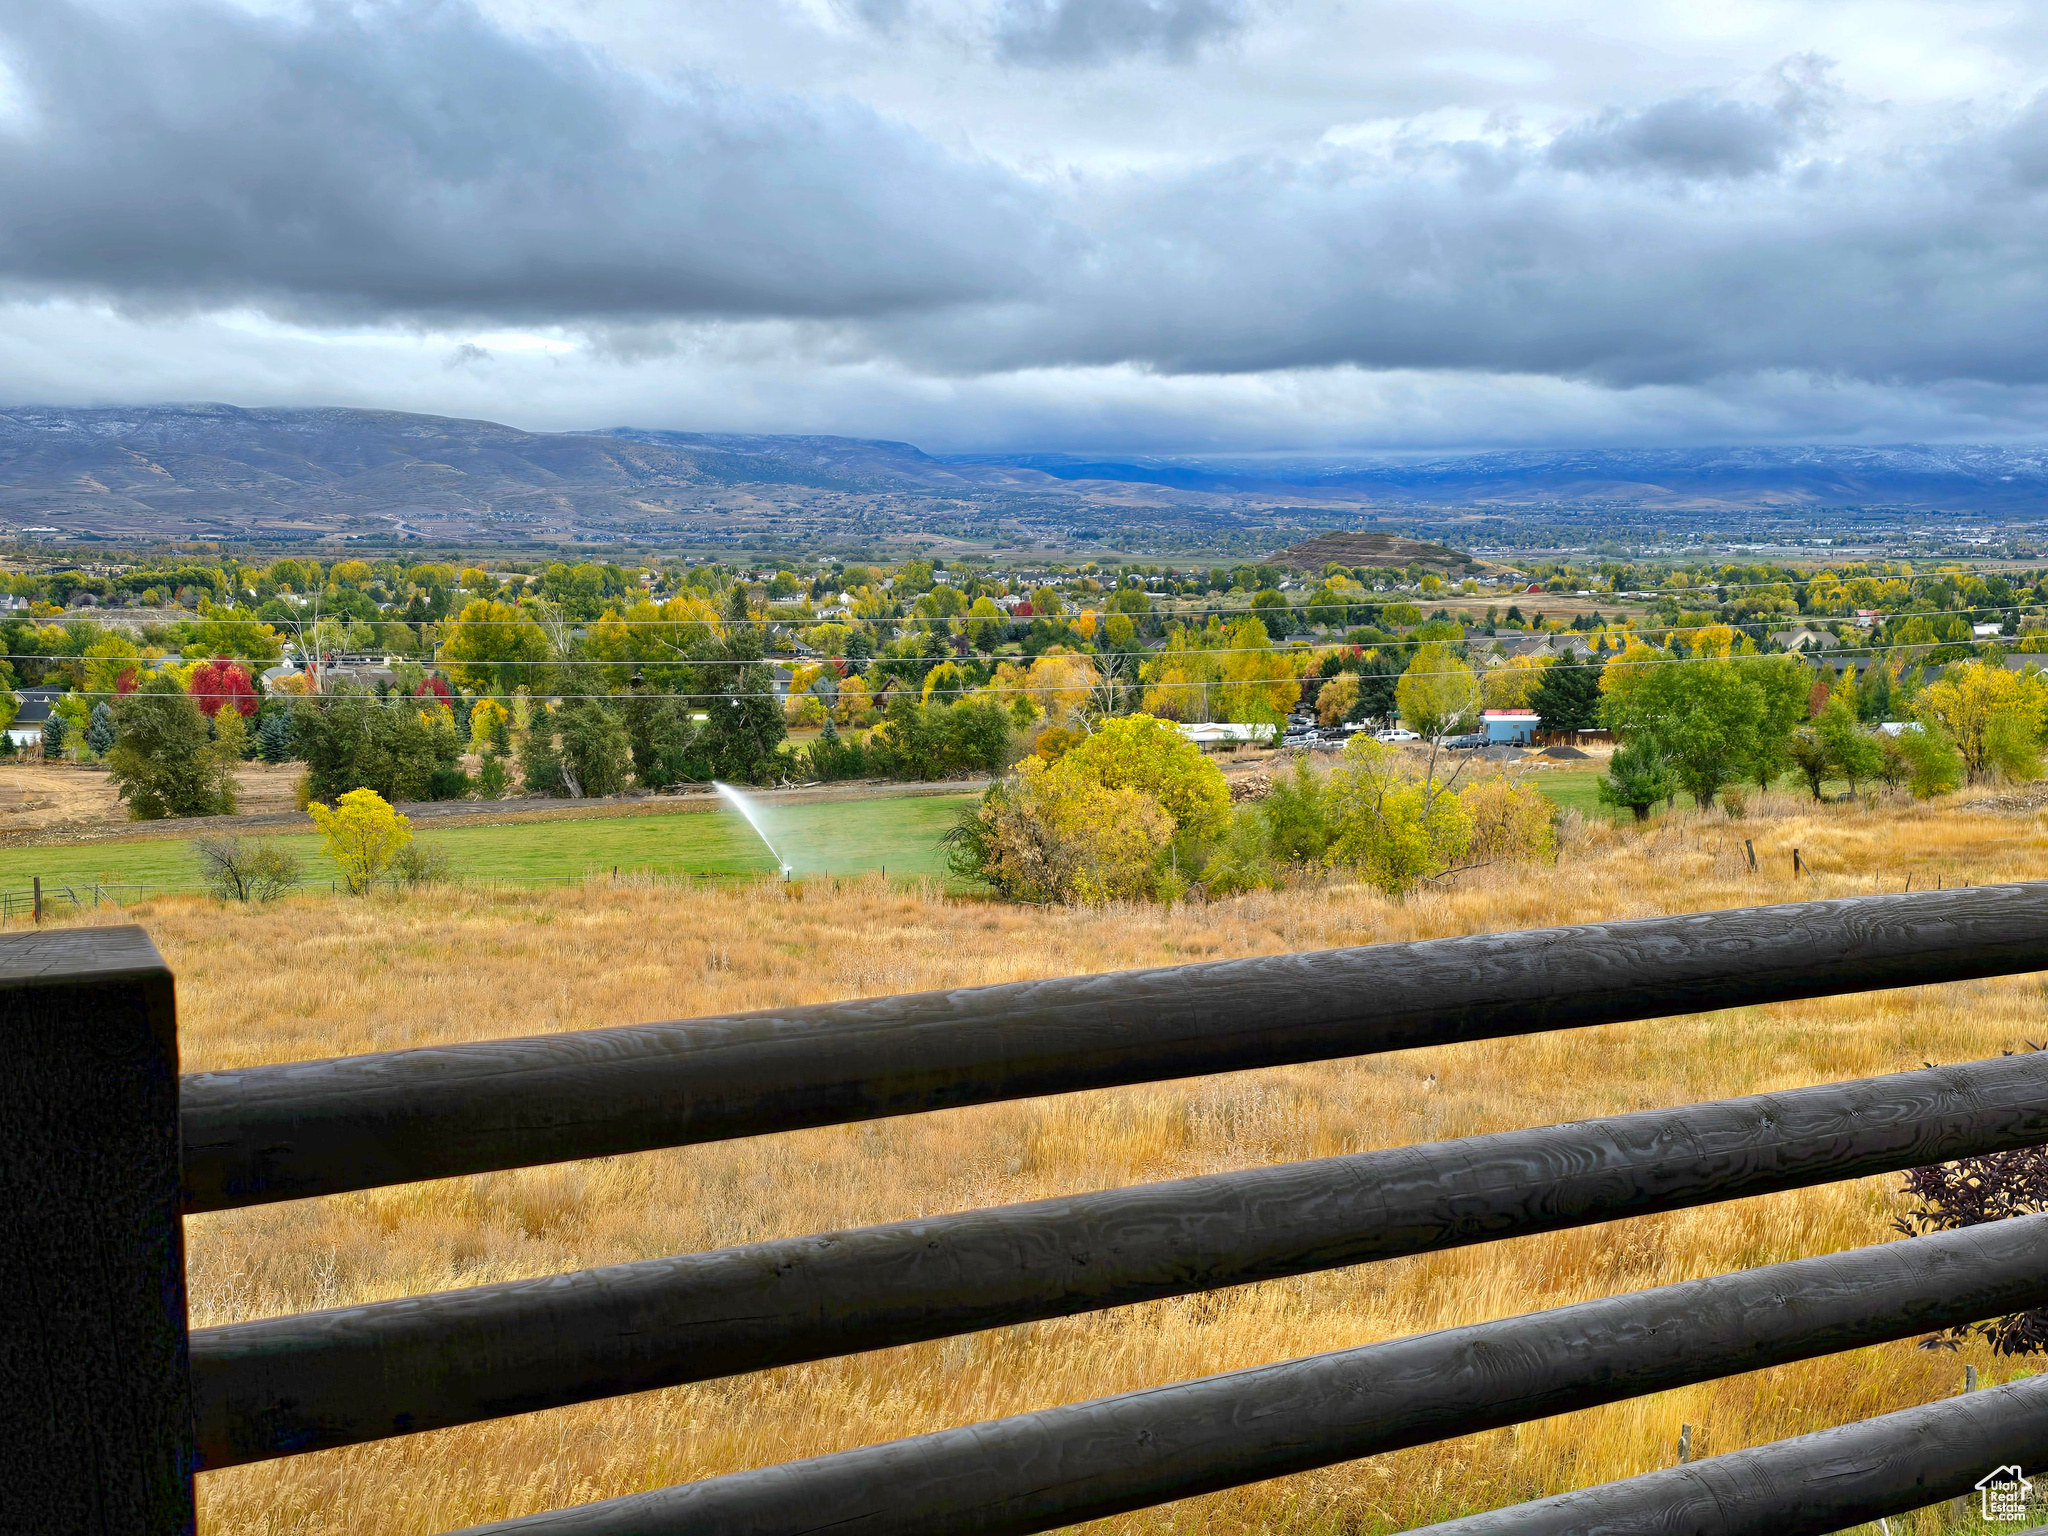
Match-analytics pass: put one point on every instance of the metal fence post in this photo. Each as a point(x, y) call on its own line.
point(95, 1400)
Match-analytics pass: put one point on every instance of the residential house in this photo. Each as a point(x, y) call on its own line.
point(1804, 639)
point(27, 727)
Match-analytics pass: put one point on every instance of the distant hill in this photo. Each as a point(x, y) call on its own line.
point(185, 470)
point(229, 472)
point(1369, 548)
point(1961, 477)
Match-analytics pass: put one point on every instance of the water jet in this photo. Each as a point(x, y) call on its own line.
point(745, 807)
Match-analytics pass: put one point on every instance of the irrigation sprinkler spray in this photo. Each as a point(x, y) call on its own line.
point(740, 803)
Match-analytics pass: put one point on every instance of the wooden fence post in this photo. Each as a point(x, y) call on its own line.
point(95, 1401)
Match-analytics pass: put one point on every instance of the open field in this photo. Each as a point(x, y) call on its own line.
point(899, 835)
point(312, 977)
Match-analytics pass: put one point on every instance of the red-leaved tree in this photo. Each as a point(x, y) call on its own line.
point(434, 687)
point(221, 681)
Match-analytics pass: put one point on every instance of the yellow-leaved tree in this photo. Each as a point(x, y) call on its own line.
point(363, 835)
point(654, 639)
point(1438, 694)
point(1105, 822)
point(1181, 678)
point(488, 722)
point(1391, 827)
point(495, 648)
point(1334, 701)
point(1261, 682)
point(1151, 756)
point(1512, 684)
point(1993, 717)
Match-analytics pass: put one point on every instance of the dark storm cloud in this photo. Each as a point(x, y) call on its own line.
point(1053, 32)
point(418, 165)
point(1701, 135)
point(1490, 259)
point(413, 161)
point(1690, 136)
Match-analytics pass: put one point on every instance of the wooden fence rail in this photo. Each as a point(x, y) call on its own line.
point(324, 1127)
point(291, 1384)
point(1808, 1485)
point(107, 1404)
point(1086, 1461)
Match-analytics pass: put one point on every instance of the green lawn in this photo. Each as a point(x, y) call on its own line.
point(850, 837)
point(1573, 788)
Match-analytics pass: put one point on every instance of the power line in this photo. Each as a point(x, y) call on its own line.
point(429, 700)
point(779, 658)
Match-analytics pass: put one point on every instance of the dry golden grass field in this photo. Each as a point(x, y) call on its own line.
point(319, 976)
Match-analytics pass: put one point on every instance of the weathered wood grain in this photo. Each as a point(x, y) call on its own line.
point(1807, 1486)
point(281, 1132)
point(1037, 1471)
point(290, 1384)
point(95, 1415)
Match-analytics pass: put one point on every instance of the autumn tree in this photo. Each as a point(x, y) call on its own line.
point(163, 760)
point(1438, 695)
point(363, 835)
point(221, 683)
point(495, 648)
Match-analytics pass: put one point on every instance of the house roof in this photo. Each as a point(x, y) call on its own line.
point(36, 704)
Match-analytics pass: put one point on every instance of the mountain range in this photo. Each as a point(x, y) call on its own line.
point(1967, 476)
point(227, 472)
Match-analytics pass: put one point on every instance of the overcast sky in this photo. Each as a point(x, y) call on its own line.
point(1087, 225)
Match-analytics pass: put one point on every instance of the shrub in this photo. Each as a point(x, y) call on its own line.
point(1240, 860)
point(1638, 776)
point(1046, 834)
point(1295, 817)
point(1933, 765)
point(1393, 829)
point(419, 863)
point(917, 741)
point(832, 756)
point(1970, 1193)
point(1509, 822)
point(363, 836)
point(491, 778)
point(1151, 756)
point(246, 868)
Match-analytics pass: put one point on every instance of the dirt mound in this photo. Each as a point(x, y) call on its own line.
point(1566, 753)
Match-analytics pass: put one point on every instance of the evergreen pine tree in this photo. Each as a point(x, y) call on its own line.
point(274, 738)
point(1568, 696)
point(99, 735)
